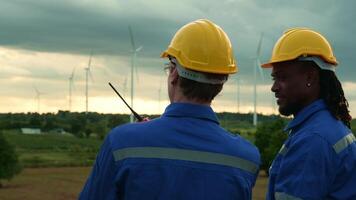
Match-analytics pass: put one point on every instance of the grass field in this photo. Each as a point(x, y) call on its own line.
point(65, 183)
point(51, 150)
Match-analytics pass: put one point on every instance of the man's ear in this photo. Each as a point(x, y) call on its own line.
point(312, 76)
point(174, 76)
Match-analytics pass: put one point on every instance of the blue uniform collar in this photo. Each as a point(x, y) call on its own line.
point(305, 113)
point(190, 110)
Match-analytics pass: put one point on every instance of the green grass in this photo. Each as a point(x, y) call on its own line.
point(54, 142)
point(48, 150)
point(53, 149)
point(353, 126)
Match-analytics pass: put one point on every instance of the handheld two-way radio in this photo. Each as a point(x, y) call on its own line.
point(137, 116)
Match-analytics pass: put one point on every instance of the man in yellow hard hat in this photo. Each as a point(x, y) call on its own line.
point(184, 154)
point(318, 160)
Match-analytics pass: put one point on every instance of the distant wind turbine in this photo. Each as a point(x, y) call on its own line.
point(38, 98)
point(71, 85)
point(87, 74)
point(134, 51)
point(257, 64)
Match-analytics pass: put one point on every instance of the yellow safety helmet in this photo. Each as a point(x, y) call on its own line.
point(204, 47)
point(301, 42)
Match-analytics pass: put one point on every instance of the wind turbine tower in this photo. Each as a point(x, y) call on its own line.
point(257, 64)
point(38, 98)
point(134, 51)
point(87, 74)
point(71, 84)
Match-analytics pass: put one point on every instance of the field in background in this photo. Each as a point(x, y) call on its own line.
point(66, 150)
point(61, 153)
point(59, 183)
point(45, 183)
point(50, 150)
point(65, 184)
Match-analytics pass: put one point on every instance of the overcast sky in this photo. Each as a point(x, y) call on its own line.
point(41, 41)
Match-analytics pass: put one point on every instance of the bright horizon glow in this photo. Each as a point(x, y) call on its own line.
point(17, 82)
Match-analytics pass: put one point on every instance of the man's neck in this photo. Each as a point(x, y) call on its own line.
point(304, 105)
point(180, 98)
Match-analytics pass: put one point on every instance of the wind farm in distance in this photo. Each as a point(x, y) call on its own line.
point(147, 94)
point(57, 58)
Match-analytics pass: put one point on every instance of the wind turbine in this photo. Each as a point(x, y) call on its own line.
point(134, 51)
point(71, 84)
point(87, 74)
point(38, 97)
point(257, 64)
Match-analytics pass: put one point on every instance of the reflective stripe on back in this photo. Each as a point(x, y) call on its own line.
point(284, 196)
point(186, 155)
point(344, 142)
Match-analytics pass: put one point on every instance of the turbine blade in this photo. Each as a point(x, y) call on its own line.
point(132, 39)
point(139, 49)
point(258, 63)
point(36, 90)
point(258, 53)
point(72, 84)
point(73, 72)
point(91, 76)
point(89, 63)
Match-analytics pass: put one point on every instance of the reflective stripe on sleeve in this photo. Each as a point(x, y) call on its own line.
point(283, 150)
point(186, 155)
point(284, 196)
point(344, 142)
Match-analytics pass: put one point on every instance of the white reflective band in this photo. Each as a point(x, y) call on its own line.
point(318, 61)
point(284, 196)
point(196, 76)
point(283, 150)
point(186, 155)
point(344, 142)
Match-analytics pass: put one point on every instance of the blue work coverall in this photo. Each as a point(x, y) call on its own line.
point(317, 161)
point(184, 154)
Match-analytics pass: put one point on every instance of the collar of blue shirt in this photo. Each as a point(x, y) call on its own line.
point(305, 113)
point(191, 110)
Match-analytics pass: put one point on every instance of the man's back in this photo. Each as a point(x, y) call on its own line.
point(184, 154)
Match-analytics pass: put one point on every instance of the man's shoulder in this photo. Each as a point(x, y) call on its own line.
point(327, 127)
point(242, 147)
point(322, 131)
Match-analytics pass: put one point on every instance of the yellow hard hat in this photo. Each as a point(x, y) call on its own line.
point(202, 46)
point(299, 42)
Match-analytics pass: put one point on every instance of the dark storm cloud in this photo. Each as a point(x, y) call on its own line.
point(79, 26)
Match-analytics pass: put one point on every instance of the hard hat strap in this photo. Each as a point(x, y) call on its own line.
point(196, 76)
point(318, 61)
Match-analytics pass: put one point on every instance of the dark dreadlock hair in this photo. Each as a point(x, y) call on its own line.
point(333, 94)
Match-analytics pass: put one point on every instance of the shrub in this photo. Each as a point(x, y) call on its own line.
point(9, 164)
point(269, 139)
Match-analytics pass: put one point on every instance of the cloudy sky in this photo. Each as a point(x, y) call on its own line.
point(42, 41)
